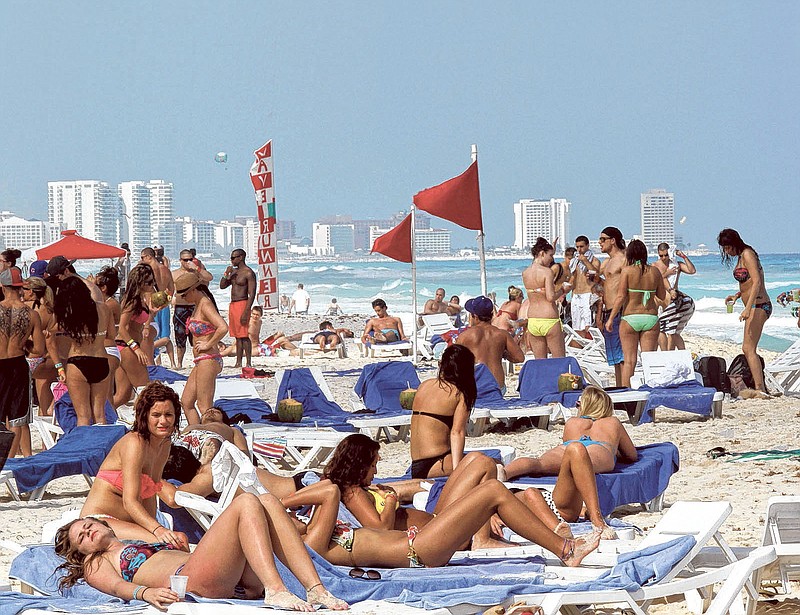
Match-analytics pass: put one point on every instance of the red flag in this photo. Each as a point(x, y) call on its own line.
point(457, 199)
point(396, 243)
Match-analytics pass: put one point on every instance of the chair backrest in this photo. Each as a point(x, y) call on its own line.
point(670, 365)
point(380, 384)
point(235, 388)
point(488, 389)
point(66, 418)
point(540, 377)
point(305, 388)
point(437, 324)
point(232, 469)
point(783, 520)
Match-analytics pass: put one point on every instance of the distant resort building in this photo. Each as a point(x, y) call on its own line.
point(658, 218)
point(17, 232)
point(548, 218)
point(91, 207)
point(427, 241)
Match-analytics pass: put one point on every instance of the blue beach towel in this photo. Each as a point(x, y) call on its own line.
point(66, 418)
point(690, 396)
point(538, 381)
point(255, 409)
point(81, 451)
point(380, 384)
point(157, 372)
point(488, 389)
point(317, 409)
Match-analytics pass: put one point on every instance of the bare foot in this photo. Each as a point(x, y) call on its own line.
point(286, 600)
point(575, 550)
point(564, 530)
point(605, 532)
point(489, 543)
point(319, 595)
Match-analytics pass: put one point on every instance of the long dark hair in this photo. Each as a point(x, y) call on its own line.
point(75, 563)
point(140, 276)
point(75, 310)
point(541, 245)
point(730, 237)
point(636, 252)
point(151, 394)
point(109, 278)
point(457, 368)
point(11, 255)
point(351, 461)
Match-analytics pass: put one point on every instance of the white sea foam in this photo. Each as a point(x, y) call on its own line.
point(391, 285)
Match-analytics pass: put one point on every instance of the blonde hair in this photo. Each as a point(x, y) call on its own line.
point(595, 403)
point(514, 293)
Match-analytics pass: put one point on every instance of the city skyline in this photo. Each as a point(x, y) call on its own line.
point(592, 103)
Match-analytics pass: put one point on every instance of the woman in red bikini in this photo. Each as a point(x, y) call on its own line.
point(207, 328)
point(124, 494)
point(753, 292)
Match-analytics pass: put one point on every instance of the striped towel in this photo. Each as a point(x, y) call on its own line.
point(272, 448)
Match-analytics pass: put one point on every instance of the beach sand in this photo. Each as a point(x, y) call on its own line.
point(747, 425)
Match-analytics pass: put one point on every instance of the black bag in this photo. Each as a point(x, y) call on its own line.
point(739, 369)
point(714, 373)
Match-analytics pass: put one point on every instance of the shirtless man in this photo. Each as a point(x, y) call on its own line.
point(242, 281)
point(679, 306)
point(254, 326)
point(436, 305)
point(164, 281)
point(184, 309)
point(18, 322)
point(488, 343)
point(611, 243)
point(384, 328)
point(584, 268)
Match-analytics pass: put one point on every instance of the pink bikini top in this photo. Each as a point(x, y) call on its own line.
point(147, 486)
point(141, 317)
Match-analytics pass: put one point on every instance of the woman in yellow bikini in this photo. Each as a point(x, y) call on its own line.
point(544, 326)
point(639, 285)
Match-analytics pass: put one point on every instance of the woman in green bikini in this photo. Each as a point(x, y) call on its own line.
point(640, 284)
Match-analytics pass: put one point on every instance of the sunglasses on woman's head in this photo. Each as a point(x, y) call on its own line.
point(360, 573)
point(578, 404)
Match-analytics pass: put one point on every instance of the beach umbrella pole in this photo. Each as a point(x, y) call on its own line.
point(481, 236)
point(414, 316)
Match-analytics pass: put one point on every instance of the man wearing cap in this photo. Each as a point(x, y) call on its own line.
point(488, 343)
point(60, 268)
point(37, 269)
point(611, 243)
point(184, 309)
point(242, 281)
point(18, 322)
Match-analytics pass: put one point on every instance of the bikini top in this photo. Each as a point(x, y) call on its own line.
point(741, 274)
point(136, 553)
point(646, 294)
point(447, 420)
point(200, 327)
point(536, 290)
point(147, 486)
point(141, 317)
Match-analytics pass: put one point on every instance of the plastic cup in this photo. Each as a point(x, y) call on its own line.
point(625, 533)
point(729, 308)
point(177, 583)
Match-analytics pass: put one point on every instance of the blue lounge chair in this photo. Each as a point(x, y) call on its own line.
point(492, 404)
point(378, 390)
point(319, 409)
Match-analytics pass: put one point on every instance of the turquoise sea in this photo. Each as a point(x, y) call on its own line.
point(356, 283)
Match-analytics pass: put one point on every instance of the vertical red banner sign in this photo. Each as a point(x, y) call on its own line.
point(261, 178)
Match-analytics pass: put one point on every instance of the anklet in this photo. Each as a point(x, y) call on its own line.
point(308, 589)
point(568, 550)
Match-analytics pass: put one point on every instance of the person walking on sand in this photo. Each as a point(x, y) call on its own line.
point(488, 343)
point(183, 309)
point(611, 243)
point(680, 306)
point(242, 281)
point(301, 301)
point(584, 268)
point(164, 282)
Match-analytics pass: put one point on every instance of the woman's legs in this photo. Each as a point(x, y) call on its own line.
point(98, 393)
point(538, 345)
point(547, 464)
point(44, 376)
point(630, 346)
point(577, 485)
point(113, 366)
point(555, 341)
point(80, 394)
point(648, 340)
point(753, 327)
point(205, 382)
point(189, 399)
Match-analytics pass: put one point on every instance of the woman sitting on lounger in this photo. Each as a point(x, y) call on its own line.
point(129, 478)
point(591, 445)
point(440, 415)
point(434, 544)
point(233, 559)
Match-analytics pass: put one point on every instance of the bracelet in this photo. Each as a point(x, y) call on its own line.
point(136, 591)
point(133, 345)
point(59, 366)
point(153, 532)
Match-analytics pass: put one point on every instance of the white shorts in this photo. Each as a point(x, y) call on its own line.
point(581, 311)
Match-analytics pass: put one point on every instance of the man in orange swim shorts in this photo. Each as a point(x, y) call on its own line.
point(242, 281)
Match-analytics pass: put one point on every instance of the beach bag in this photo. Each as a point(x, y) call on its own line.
point(740, 376)
point(714, 373)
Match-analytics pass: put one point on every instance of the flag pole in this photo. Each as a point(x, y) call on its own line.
point(414, 283)
point(481, 236)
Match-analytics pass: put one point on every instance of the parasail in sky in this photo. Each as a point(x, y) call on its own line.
point(682, 220)
point(221, 157)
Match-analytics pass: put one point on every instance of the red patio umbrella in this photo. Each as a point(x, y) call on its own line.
point(72, 246)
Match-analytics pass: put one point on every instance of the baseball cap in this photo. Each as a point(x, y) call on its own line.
point(37, 269)
point(481, 306)
point(11, 277)
point(58, 265)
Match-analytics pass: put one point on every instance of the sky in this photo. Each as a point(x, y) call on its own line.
point(369, 102)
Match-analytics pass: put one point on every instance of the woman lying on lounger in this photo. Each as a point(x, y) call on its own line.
point(440, 415)
point(434, 544)
point(592, 442)
point(233, 559)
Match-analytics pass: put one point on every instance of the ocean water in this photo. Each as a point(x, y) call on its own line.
point(355, 284)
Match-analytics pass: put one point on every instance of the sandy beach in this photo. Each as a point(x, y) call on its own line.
point(747, 425)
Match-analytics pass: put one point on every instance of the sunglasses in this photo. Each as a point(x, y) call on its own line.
point(578, 404)
point(602, 239)
point(360, 573)
point(187, 260)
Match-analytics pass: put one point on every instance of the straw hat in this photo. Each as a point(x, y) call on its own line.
point(186, 282)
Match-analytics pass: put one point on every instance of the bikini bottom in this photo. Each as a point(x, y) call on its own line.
point(540, 327)
point(641, 322)
point(94, 369)
point(421, 467)
point(210, 357)
point(766, 306)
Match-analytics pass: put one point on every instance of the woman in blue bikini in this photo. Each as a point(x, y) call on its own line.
point(592, 443)
point(639, 283)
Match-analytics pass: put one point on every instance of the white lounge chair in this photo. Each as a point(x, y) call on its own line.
point(309, 346)
point(782, 530)
point(305, 448)
point(783, 373)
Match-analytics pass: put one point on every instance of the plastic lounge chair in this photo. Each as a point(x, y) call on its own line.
point(782, 530)
point(378, 388)
point(80, 451)
point(491, 404)
point(309, 346)
point(689, 395)
point(579, 346)
point(307, 385)
point(783, 373)
point(538, 383)
point(292, 448)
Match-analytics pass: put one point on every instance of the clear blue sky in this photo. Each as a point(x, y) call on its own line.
point(370, 102)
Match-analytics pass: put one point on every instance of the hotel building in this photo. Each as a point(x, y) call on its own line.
point(548, 218)
point(658, 218)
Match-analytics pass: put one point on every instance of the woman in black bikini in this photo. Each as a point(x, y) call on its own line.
point(88, 325)
point(107, 281)
point(753, 292)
